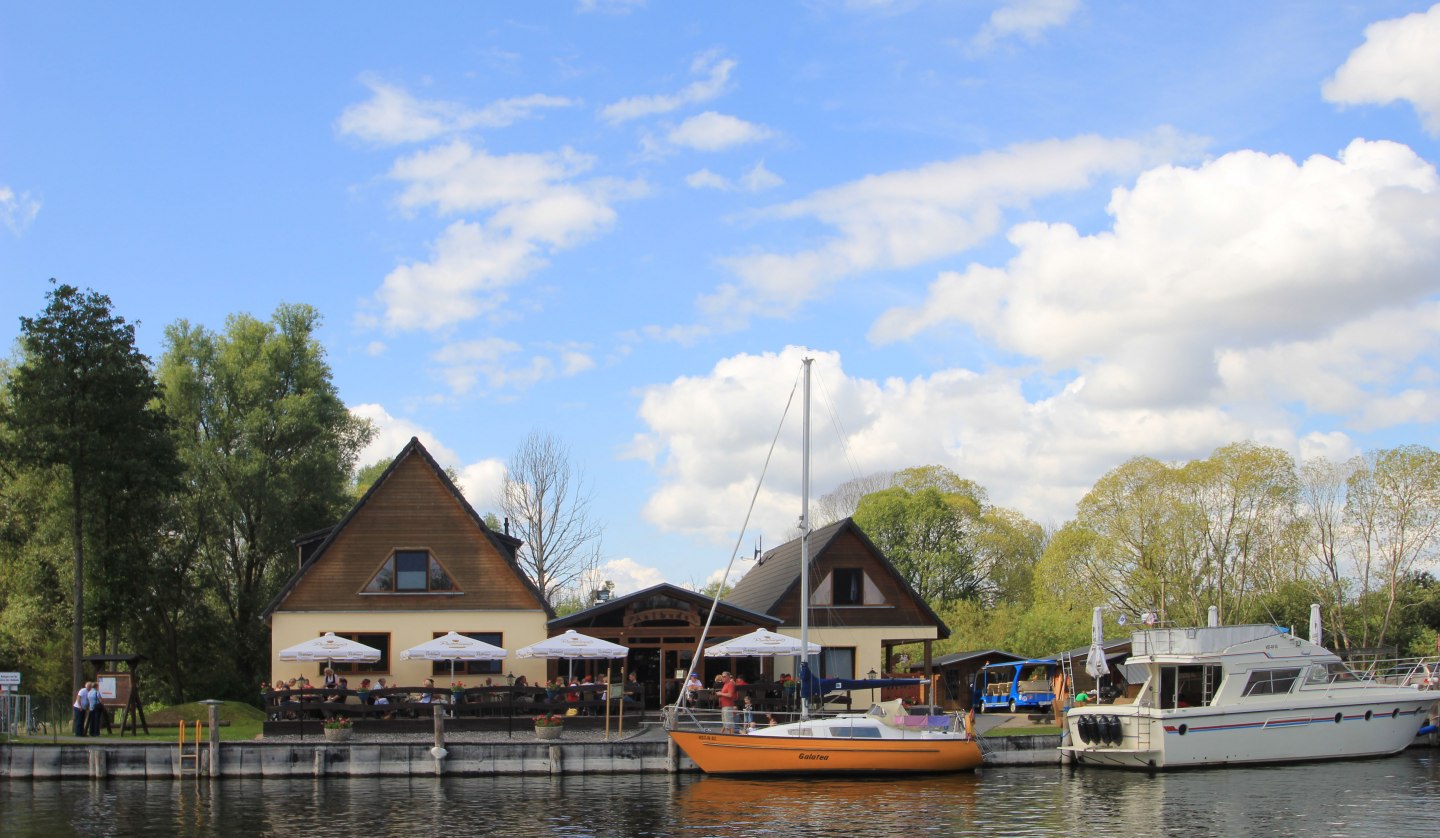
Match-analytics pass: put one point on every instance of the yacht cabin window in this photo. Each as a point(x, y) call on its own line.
point(1271, 682)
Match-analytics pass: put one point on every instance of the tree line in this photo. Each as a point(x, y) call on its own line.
point(1246, 530)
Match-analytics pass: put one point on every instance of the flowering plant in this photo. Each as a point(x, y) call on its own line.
point(549, 720)
point(457, 686)
point(338, 723)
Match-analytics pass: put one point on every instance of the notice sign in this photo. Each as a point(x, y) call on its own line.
point(114, 688)
point(9, 679)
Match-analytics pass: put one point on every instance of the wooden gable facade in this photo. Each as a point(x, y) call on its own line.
point(361, 576)
point(858, 600)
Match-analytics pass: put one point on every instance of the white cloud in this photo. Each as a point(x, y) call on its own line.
point(1397, 61)
point(757, 179)
point(711, 131)
point(392, 116)
point(904, 218)
point(490, 361)
point(1025, 19)
point(392, 434)
point(536, 206)
point(1246, 274)
point(479, 481)
point(717, 74)
point(708, 436)
point(17, 211)
point(628, 575)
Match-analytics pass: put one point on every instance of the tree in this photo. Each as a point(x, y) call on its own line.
point(543, 496)
point(1393, 501)
point(270, 449)
point(83, 399)
point(927, 526)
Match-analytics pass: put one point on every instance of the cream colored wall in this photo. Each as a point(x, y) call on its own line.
point(407, 629)
point(865, 641)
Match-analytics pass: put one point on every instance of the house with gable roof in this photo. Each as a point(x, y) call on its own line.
point(410, 562)
point(861, 608)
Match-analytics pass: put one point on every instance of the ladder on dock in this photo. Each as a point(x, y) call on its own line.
point(189, 761)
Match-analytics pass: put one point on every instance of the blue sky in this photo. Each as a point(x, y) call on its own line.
point(1025, 239)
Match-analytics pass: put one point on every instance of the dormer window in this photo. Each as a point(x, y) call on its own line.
point(411, 572)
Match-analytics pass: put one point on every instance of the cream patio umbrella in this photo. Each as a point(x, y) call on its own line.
point(454, 647)
point(330, 648)
point(760, 643)
point(573, 645)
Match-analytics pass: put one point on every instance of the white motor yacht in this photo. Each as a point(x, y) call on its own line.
point(1247, 694)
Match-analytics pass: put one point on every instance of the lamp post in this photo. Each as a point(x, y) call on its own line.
point(871, 675)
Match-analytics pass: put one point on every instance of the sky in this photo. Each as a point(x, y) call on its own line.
point(1027, 240)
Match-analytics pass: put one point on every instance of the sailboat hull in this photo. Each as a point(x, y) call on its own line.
point(738, 753)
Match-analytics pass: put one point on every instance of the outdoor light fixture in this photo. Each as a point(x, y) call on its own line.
point(871, 675)
point(510, 679)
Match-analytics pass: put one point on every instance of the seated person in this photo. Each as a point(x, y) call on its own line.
point(427, 697)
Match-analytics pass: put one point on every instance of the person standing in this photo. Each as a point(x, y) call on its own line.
point(95, 707)
point(81, 706)
point(726, 697)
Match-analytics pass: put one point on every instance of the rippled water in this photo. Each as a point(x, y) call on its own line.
point(1397, 796)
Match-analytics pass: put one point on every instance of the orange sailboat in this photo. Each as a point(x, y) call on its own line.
point(886, 739)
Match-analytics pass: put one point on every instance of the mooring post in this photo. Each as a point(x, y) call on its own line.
point(214, 705)
point(438, 751)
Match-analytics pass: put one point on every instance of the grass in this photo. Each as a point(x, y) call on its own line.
point(1023, 730)
point(238, 721)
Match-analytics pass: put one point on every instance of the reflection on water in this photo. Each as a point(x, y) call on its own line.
point(1388, 797)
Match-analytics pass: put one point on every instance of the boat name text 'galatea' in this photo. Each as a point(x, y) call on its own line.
point(821, 757)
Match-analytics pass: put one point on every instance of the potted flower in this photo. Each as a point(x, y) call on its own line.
point(338, 728)
point(549, 726)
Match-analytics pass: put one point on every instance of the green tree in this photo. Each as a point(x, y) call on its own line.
point(82, 399)
point(270, 449)
point(927, 526)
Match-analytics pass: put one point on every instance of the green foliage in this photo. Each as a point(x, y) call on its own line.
point(270, 448)
point(82, 399)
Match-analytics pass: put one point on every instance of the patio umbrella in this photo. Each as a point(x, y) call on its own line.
point(761, 643)
point(1315, 633)
point(571, 645)
point(454, 647)
point(1095, 661)
point(330, 648)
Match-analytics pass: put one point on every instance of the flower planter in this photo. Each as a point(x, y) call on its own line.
point(338, 734)
point(549, 731)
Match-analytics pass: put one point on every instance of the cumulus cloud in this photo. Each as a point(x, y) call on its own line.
point(711, 131)
point(1250, 271)
point(905, 218)
point(1397, 61)
point(393, 433)
point(17, 211)
point(716, 71)
point(536, 205)
point(708, 436)
point(391, 116)
point(1024, 19)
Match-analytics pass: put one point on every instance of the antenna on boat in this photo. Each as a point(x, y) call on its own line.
point(759, 552)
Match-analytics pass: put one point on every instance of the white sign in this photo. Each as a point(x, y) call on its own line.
point(107, 688)
point(10, 679)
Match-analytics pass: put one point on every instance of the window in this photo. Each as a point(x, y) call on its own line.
point(849, 586)
point(837, 663)
point(1271, 682)
point(374, 641)
point(441, 669)
point(411, 572)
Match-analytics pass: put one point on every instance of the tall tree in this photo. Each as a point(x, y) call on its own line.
point(270, 449)
point(1393, 499)
point(83, 399)
point(928, 525)
point(544, 499)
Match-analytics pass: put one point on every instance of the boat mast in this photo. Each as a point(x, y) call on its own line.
point(805, 544)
